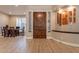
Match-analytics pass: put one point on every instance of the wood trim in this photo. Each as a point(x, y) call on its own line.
point(65, 32)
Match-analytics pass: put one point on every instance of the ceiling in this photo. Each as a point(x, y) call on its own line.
point(22, 9)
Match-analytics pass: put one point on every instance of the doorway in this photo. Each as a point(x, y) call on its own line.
point(39, 25)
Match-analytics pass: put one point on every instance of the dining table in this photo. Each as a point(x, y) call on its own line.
point(11, 32)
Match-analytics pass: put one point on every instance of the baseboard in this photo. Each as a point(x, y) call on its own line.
point(66, 43)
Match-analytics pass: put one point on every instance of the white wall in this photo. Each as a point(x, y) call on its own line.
point(72, 39)
point(4, 20)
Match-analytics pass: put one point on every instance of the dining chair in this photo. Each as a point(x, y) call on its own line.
point(17, 31)
point(5, 32)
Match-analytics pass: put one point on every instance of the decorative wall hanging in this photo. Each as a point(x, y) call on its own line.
point(74, 15)
point(62, 18)
point(70, 16)
point(58, 18)
point(66, 16)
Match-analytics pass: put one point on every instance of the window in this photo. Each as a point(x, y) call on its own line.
point(21, 22)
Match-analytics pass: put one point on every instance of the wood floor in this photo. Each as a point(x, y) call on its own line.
point(22, 45)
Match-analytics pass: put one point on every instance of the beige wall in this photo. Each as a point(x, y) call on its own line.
point(12, 21)
point(4, 20)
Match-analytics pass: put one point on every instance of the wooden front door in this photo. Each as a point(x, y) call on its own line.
point(39, 25)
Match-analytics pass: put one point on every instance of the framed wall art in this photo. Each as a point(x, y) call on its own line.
point(66, 16)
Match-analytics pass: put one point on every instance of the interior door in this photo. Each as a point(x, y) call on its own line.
point(39, 25)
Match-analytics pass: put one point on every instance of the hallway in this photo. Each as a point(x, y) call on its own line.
point(22, 45)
